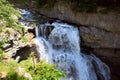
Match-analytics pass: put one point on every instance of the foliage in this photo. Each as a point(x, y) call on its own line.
point(25, 38)
point(46, 71)
point(1, 44)
point(43, 70)
point(9, 16)
point(13, 76)
point(1, 55)
point(9, 72)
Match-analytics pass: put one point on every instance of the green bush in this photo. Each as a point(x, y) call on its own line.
point(45, 71)
point(9, 16)
point(41, 70)
point(1, 44)
point(7, 68)
point(1, 55)
point(12, 75)
point(25, 38)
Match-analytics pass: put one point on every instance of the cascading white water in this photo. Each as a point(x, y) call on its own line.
point(59, 43)
point(62, 48)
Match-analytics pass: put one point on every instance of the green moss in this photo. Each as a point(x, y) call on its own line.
point(25, 38)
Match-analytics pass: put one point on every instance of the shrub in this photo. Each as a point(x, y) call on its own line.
point(46, 71)
point(12, 75)
point(41, 70)
point(25, 38)
point(9, 16)
point(9, 73)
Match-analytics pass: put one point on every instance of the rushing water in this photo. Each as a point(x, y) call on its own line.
point(59, 43)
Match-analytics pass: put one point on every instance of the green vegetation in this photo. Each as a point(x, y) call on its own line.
point(9, 23)
point(25, 38)
point(40, 71)
point(1, 55)
point(13, 76)
point(9, 16)
point(45, 71)
point(7, 71)
point(1, 45)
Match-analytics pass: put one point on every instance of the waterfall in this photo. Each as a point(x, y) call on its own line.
point(62, 47)
point(59, 43)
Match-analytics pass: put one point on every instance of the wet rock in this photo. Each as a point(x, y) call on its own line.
point(111, 57)
point(104, 44)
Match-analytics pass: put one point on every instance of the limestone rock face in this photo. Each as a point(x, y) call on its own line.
point(99, 38)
